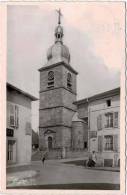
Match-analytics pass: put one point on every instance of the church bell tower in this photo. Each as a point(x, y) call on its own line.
point(57, 94)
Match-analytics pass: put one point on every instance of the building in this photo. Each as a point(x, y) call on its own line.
point(102, 112)
point(57, 94)
point(18, 131)
point(35, 140)
point(90, 124)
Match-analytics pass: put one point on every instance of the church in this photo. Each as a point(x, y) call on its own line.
point(58, 119)
point(65, 124)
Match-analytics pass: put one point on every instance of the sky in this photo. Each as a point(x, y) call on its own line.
point(93, 32)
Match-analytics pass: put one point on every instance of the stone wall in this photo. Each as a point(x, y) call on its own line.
point(79, 134)
point(61, 137)
point(57, 97)
point(56, 107)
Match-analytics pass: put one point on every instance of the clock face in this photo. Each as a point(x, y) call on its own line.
point(51, 75)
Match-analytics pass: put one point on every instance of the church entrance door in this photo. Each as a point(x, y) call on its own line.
point(49, 143)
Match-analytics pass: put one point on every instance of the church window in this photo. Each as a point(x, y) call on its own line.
point(58, 36)
point(50, 79)
point(69, 81)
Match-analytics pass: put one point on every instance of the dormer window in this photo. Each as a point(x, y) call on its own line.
point(69, 80)
point(50, 79)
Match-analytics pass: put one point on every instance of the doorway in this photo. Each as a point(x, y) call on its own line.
point(49, 142)
point(11, 151)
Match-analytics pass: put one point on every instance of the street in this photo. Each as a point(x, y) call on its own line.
point(55, 172)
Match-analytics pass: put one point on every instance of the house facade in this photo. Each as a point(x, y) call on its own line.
point(102, 112)
point(18, 128)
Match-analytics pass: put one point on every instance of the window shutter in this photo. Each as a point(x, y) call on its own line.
point(115, 121)
point(28, 128)
point(8, 114)
point(12, 115)
point(16, 116)
point(99, 122)
point(100, 143)
point(115, 143)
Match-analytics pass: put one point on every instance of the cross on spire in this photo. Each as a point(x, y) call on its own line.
point(59, 16)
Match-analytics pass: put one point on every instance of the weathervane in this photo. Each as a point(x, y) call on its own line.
point(59, 16)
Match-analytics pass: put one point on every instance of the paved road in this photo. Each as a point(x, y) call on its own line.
point(55, 172)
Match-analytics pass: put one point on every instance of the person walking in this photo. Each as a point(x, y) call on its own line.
point(43, 159)
point(94, 158)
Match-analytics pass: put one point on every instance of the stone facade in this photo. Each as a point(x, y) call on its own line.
point(56, 107)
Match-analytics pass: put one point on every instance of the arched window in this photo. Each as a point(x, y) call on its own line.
point(50, 79)
point(69, 80)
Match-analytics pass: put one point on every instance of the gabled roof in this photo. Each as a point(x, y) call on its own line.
point(106, 94)
point(12, 87)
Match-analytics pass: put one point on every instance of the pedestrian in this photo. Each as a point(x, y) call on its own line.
point(94, 158)
point(89, 162)
point(43, 159)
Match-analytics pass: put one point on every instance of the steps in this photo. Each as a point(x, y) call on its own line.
point(56, 154)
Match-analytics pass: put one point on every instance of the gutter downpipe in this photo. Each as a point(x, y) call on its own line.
point(88, 128)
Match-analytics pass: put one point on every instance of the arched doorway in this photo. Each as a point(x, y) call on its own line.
point(49, 143)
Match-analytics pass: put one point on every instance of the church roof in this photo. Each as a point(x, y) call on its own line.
point(58, 52)
point(57, 64)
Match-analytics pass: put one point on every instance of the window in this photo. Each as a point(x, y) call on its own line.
point(12, 115)
point(58, 36)
point(109, 120)
point(69, 80)
point(85, 145)
point(108, 142)
point(108, 103)
point(50, 79)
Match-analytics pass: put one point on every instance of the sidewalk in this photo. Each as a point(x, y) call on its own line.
point(18, 165)
point(113, 169)
point(74, 162)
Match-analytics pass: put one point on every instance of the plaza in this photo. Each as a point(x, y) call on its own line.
point(56, 174)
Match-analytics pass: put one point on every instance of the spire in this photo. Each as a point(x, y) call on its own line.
point(58, 52)
point(59, 29)
point(59, 16)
